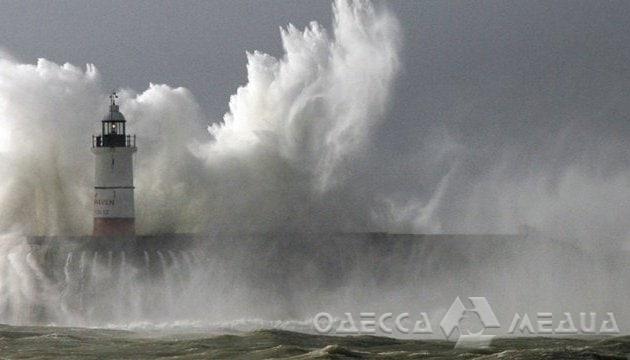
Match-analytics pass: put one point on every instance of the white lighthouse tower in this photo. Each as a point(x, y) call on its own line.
point(113, 188)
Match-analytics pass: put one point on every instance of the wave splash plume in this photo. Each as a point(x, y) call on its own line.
point(283, 157)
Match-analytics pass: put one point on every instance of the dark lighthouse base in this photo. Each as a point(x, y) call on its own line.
point(114, 227)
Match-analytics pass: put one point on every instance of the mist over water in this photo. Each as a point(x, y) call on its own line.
point(246, 282)
point(296, 154)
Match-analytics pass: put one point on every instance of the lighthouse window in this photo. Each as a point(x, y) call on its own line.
point(113, 128)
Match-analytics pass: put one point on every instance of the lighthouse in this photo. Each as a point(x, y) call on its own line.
point(113, 187)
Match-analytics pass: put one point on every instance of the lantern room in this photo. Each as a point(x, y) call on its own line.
point(113, 132)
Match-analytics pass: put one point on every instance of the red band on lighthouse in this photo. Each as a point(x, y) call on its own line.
point(114, 227)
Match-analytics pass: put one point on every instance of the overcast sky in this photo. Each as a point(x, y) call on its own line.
point(546, 81)
point(450, 46)
point(453, 50)
point(201, 45)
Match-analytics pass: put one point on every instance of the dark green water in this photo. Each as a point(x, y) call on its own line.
point(77, 343)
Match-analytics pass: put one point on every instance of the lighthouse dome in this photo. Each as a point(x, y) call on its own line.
point(114, 114)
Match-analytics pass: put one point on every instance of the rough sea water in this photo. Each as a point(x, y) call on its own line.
point(73, 343)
